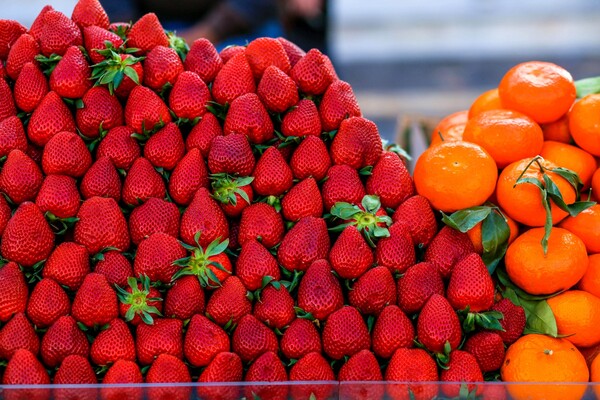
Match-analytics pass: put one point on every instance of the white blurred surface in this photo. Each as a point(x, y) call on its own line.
point(25, 11)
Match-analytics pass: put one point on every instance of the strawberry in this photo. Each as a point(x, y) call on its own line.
point(233, 80)
point(95, 302)
point(156, 256)
point(252, 338)
point(122, 371)
point(102, 180)
point(412, 365)
point(229, 302)
point(303, 200)
point(488, 350)
point(224, 367)
point(272, 175)
point(462, 367)
point(13, 291)
point(47, 303)
point(292, 50)
point(112, 344)
point(264, 52)
point(63, 338)
point(345, 333)
point(49, 118)
point(71, 76)
point(303, 244)
point(59, 196)
point(275, 308)
point(115, 267)
point(120, 147)
point(350, 255)
point(144, 110)
point(299, 339)
point(438, 324)
point(254, 264)
point(396, 252)
point(312, 74)
point(203, 341)
point(417, 215)
point(36, 26)
point(139, 301)
point(10, 31)
point(94, 40)
point(27, 238)
point(58, 33)
point(189, 175)
point(261, 220)
point(12, 136)
point(210, 265)
point(338, 104)
point(390, 180)
point(121, 73)
point(5, 214)
point(18, 334)
point(392, 330)
point(165, 336)
point(447, 248)
point(165, 148)
point(231, 154)
point(203, 133)
point(75, 370)
point(361, 367)
point(68, 265)
point(248, 116)
point(20, 178)
point(311, 367)
point(342, 185)
point(234, 194)
point(66, 154)
point(89, 12)
point(184, 299)
point(266, 368)
point(23, 51)
point(277, 90)
point(302, 120)
point(470, 285)
point(162, 66)
point(189, 97)
point(513, 322)
point(203, 59)
point(142, 183)
point(100, 112)
point(205, 216)
point(373, 291)
point(358, 144)
point(155, 215)
point(168, 369)
point(417, 285)
point(310, 159)
point(24, 369)
point(320, 293)
point(146, 33)
point(30, 87)
point(231, 51)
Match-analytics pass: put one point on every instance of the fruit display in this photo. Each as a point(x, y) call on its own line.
point(174, 214)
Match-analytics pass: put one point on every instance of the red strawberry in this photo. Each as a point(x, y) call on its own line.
point(229, 302)
point(59, 196)
point(112, 344)
point(260, 220)
point(20, 177)
point(416, 214)
point(190, 96)
point(248, 116)
point(345, 333)
point(513, 322)
point(312, 74)
point(311, 367)
point(272, 175)
point(188, 176)
point(303, 244)
point(255, 263)
point(390, 180)
point(373, 291)
point(63, 338)
point(396, 252)
point(205, 216)
point(89, 12)
point(293, 52)
point(165, 336)
point(203, 133)
point(47, 303)
point(168, 369)
point(155, 215)
point(358, 144)
point(23, 51)
point(13, 291)
point(36, 25)
point(310, 159)
point(470, 285)
point(122, 371)
point(338, 103)
point(233, 80)
point(27, 238)
point(299, 339)
point(302, 120)
point(264, 52)
point(161, 66)
point(10, 31)
point(115, 267)
point(66, 154)
point(361, 367)
point(303, 200)
point(276, 90)
point(30, 87)
point(438, 324)
point(320, 293)
point(139, 301)
point(488, 350)
point(71, 76)
point(342, 185)
point(462, 367)
point(184, 299)
point(121, 73)
point(417, 285)
point(447, 248)
point(350, 255)
point(7, 104)
point(58, 33)
point(146, 34)
point(68, 265)
point(156, 255)
point(203, 59)
point(203, 341)
point(12, 136)
point(231, 51)
point(224, 367)
point(144, 110)
point(49, 118)
point(95, 38)
point(75, 370)
point(120, 147)
point(234, 194)
point(412, 365)
point(18, 334)
point(95, 302)
point(275, 307)
point(252, 338)
point(24, 369)
point(101, 111)
point(5, 214)
point(392, 330)
point(142, 183)
point(165, 148)
point(231, 154)
point(266, 368)
point(101, 179)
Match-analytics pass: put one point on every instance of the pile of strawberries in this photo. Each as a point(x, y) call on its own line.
point(182, 215)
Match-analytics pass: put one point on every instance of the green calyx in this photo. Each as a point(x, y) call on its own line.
point(113, 70)
point(200, 261)
point(138, 300)
point(225, 188)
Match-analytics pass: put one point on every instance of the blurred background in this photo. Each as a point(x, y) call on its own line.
point(409, 60)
